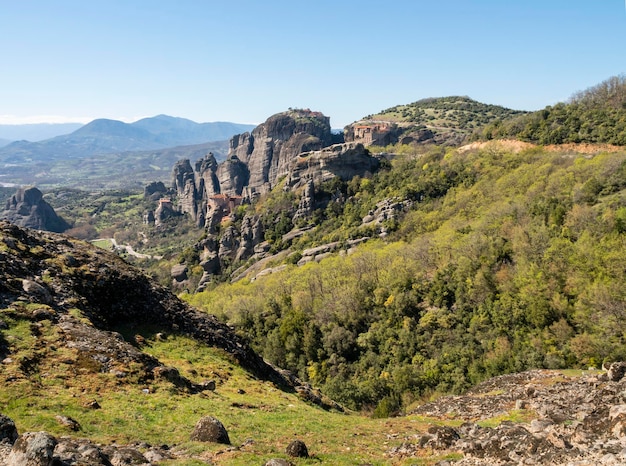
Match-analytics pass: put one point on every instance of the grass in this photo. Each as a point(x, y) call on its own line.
point(261, 419)
point(517, 416)
point(103, 244)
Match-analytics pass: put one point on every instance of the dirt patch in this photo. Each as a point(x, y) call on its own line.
point(516, 146)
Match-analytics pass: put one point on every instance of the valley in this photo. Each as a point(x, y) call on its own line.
point(441, 278)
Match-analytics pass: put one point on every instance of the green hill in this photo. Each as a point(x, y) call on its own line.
point(449, 120)
point(596, 115)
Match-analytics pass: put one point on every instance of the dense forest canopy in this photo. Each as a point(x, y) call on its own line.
point(505, 261)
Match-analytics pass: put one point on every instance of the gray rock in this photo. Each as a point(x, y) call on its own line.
point(297, 449)
point(209, 429)
point(269, 150)
point(233, 175)
point(27, 208)
point(616, 371)
point(154, 190)
point(39, 292)
point(68, 422)
point(278, 462)
point(8, 431)
point(307, 203)
point(442, 437)
point(251, 235)
point(207, 182)
point(179, 272)
point(32, 449)
point(228, 245)
point(183, 183)
point(128, 456)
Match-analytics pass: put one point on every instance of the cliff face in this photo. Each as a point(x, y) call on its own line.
point(340, 160)
point(271, 147)
point(27, 208)
point(255, 161)
point(293, 145)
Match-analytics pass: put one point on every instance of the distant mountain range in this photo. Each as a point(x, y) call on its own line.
point(104, 136)
point(110, 153)
point(35, 131)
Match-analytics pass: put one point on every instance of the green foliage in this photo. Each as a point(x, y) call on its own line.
point(597, 115)
point(454, 111)
point(504, 262)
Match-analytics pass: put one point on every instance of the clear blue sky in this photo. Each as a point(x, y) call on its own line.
point(244, 60)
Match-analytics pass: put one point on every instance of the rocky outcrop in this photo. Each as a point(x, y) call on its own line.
point(339, 160)
point(154, 190)
point(387, 210)
point(108, 291)
point(184, 185)
point(207, 183)
point(233, 176)
point(43, 449)
point(164, 211)
point(295, 144)
point(27, 208)
point(251, 235)
point(270, 148)
point(570, 420)
point(306, 204)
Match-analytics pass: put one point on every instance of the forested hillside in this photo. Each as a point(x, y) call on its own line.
point(596, 115)
point(505, 261)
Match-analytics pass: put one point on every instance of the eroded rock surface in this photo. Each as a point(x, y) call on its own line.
point(572, 420)
point(27, 208)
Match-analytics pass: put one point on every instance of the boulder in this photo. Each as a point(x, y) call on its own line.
point(278, 462)
point(32, 449)
point(67, 422)
point(209, 429)
point(179, 273)
point(36, 291)
point(297, 449)
point(616, 371)
point(8, 431)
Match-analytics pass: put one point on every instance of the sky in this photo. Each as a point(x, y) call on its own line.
point(245, 60)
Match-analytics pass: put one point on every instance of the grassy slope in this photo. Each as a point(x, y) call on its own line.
point(159, 413)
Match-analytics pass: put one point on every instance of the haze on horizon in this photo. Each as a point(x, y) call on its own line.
point(74, 61)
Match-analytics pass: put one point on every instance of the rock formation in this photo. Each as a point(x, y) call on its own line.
point(210, 429)
point(340, 160)
point(184, 185)
point(571, 420)
point(271, 147)
point(164, 211)
point(27, 208)
point(155, 190)
point(294, 146)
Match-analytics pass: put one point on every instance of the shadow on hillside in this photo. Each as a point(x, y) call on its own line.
point(4, 347)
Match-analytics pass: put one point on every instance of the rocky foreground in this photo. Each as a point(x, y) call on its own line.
point(575, 421)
